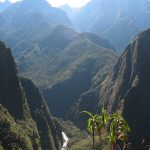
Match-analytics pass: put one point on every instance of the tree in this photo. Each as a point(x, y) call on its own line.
point(119, 131)
point(102, 119)
point(115, 123)
point(93, 124)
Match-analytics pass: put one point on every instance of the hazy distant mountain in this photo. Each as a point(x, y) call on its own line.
point(17, 15)
point(121, 31)
point(127, 88)
point(4, 5)
point(117, 20)
point(25, 22)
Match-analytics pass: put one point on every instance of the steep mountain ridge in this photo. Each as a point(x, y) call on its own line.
point(23, 124)
point(127, 88)
point(10, 83)
point(40, 113)
point(13, 99)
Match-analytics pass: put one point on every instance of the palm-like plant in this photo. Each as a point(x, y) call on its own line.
point(102, 122)
point(104, 116)
point(93, 124)
point(119, 130)
point(97, 123)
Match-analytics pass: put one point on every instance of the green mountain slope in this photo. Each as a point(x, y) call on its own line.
point(17, 134)
point(79, 68)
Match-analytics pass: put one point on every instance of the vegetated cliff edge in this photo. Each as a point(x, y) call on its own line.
point(127, 88)
point(24, 116)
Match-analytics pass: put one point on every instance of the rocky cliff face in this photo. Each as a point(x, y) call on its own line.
point(25, 120)
point(11, 92)
point(40, 113)
point(127, 88)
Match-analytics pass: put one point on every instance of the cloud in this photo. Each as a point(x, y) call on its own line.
point(9, 0)
point(72, 3)
point(56, 3)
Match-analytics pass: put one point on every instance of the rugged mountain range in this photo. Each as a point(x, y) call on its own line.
point(67, 64)
point(25, 121)
point(39, 7)
point(119, 21)
point(71, 68)
point(25, 22)
point(127, 89)
point(56, 57)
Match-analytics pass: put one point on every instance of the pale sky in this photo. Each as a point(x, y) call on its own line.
point(56, 3)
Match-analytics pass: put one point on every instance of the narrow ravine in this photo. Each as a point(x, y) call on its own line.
point(66, 139)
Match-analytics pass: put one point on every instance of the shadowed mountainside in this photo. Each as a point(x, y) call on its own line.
point(11, 91)
point(22, 122)
point(127, 88)
point(40, 113)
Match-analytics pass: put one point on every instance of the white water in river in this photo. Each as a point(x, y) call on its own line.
point(66, 139)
